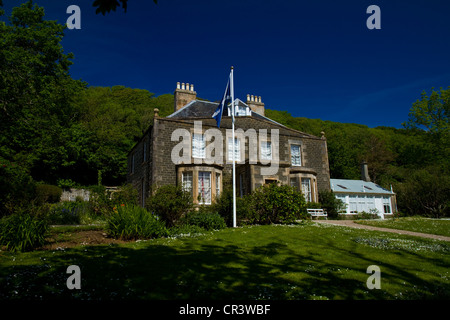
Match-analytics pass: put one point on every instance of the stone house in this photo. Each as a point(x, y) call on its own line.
point(187, 148)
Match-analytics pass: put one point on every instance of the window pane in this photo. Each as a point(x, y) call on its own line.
point(204, 187)
point(306, 189)
point(187, 182)
point(217, 185)
point(294, 182)
point(266, 150)
point(198, 146)
point(237, 151)
point(386, 205)
point(296, 159)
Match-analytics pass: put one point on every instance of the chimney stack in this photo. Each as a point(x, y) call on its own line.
point(184, 93)
point(365, 172)
point(255, 104)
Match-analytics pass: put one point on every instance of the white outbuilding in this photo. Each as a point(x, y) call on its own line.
point(360, 195)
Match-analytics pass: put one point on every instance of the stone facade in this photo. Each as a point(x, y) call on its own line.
point(151, 163)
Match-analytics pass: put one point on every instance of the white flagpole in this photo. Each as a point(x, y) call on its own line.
point(234, 149)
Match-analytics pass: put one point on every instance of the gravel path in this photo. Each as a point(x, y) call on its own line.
point(350, 223)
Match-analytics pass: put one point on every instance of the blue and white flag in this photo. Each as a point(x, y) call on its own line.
point(223, 104)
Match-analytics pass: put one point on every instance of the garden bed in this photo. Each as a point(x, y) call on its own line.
point(76, 238)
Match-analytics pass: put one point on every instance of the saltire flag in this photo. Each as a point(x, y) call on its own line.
point(223, 104)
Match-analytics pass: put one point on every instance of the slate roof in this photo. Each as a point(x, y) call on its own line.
point(357, 186)
point(205, 109)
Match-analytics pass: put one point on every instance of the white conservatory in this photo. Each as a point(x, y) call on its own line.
point(360, 195)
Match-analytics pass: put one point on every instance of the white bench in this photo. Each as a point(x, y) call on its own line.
point(317, 213)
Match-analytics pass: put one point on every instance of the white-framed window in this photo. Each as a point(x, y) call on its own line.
point(306, 189)
point(198, 146)
point(370, 203)
point(186, 181)
point(217, 185)
point(240, 111)
point(353, 204)
point(266, 150)
point(204, 187)
point(296, 156)
point(237, 149)
point(387, 205)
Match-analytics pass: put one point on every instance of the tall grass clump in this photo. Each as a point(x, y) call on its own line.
point(23, 231)
point(133, 222)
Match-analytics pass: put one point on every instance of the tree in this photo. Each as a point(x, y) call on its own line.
point(36, 93)
point(425, 192)
point(432, 115)
point(104, 6)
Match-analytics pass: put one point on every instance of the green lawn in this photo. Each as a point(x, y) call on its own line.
point(416, 224)
point(310, 261)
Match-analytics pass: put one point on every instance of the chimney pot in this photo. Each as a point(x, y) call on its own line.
point(183, 95)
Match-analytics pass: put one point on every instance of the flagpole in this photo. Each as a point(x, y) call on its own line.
point(234, 148)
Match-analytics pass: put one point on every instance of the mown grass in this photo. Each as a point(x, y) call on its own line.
point(305, 261)
point(416, 224)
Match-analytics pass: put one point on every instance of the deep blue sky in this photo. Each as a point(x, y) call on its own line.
point(314, 59)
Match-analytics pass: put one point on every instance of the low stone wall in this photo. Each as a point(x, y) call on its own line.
point(71, 194)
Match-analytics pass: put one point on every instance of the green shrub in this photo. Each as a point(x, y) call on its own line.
point(23, 231)
point(372, 214)
point(170, 203)
point(331, 204)
point(99, 201)
point(205, 220)
point(127, 194)
point(274, 203)
point(17, 187)
point(46, 193)
point(224, 207)
point(134, 222)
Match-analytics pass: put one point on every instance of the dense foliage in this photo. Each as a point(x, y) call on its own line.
point(414, 160)
point(23, 231)
point(170, 203)
point(206, 220)
point(273, 203)
point(134, 222)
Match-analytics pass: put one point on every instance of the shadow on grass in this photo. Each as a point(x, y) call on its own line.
point(213, 270)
